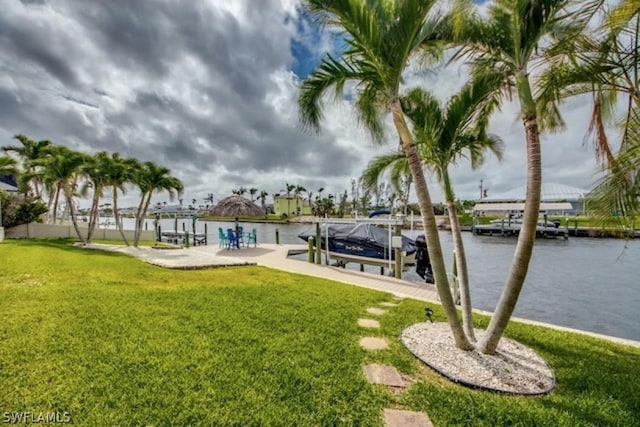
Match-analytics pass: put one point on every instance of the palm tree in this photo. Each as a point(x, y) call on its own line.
point(297, 191)
point(62, 170)
point(605, 65)
point(290, 188)
point(95, 169)
point(119, 172)
point(252, 192)
point(380, 38)
point(263, 197)
point(152, 178)
point(504, 44)
point(443, 136)
point(28, 152)
point(209, 199)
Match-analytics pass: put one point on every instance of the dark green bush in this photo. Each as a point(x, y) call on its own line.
point(17, 209)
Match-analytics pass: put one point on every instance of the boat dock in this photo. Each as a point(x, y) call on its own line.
point(513, 229)
point(183, 238)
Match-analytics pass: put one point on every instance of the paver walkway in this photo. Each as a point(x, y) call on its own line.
point(275, 256)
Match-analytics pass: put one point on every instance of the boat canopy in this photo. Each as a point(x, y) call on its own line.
point(361, 234)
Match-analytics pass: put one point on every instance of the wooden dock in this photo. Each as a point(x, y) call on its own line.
point(180, 238)
point(513, 229)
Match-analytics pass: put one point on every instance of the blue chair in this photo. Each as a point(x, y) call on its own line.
point(252, 236)
point(240, 237)
point(231, 239)
point(223, 239)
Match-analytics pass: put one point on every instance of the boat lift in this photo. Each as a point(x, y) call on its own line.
point(396, 241)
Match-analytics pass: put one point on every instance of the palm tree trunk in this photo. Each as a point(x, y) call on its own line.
point(72, 213)
point(117, 216)
point(36, 185)
point(50, 202)
point(93, 214)
point(430, 227)
point(139, 215)
point(405, 203)
point(142, 218)
point(524, 248)
point(463, 272)
point(461, 258)
point(56, 204)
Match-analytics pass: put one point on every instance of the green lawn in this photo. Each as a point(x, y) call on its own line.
point(115, 341)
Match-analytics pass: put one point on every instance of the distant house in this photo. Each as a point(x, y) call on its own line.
point(556, 199)
point(287, 205)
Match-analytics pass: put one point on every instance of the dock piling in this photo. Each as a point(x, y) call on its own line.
point(318, 244)
point(311, 252)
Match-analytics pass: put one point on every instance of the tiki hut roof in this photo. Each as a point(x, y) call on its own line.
point(236, 206)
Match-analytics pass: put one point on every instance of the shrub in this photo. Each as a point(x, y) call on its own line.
point(17, 210)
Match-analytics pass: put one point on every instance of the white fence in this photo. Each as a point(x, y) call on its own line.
point(36, 230)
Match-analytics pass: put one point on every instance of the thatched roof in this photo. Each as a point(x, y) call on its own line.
point(236, 206)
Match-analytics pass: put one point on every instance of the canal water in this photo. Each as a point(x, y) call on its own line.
point(582, 283)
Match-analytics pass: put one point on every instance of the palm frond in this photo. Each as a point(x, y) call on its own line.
point(377, 167)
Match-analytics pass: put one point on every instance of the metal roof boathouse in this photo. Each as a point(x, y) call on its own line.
point(556, 199)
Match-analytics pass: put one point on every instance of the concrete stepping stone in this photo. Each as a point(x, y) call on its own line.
point(388, 304)
point(376, 311)
point(372, 343)
point(383, 374)
point(368, 323)
point(402, 418)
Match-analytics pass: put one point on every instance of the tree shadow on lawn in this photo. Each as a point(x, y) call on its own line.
point(67, 245)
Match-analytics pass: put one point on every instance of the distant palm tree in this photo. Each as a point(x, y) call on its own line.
point(309, 198)
point(290, 188)
point(263, 196)
point(209, 199)
point(252, 192)
point(152, 178)
point(297, 191)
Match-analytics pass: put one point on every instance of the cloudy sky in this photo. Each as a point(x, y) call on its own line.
point(208, 88)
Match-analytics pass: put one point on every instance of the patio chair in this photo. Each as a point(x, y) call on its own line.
point(223, 239)
point(231, 239)
point(252, 236)
point(240, 237)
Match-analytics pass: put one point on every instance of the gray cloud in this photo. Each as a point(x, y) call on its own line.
point(205, 88)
